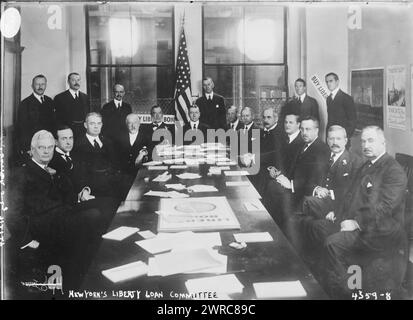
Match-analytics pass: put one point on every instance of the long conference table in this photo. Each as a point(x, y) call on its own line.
point(272, 261)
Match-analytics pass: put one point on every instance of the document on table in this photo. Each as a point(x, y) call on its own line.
point(152, 168)
point(164, 194)
point(120, 233)
point(152, 163)
point(254, 205)
point(188, 175)
point(163, 177)
point(179, 166)
point(235, 173)
point(202, 188)
point(253, 237)
point(237, 183)
point(224, 284)
point(176, 186)
point(147, 234)
point(126, 272)
point(226, 163)
point(282, 289)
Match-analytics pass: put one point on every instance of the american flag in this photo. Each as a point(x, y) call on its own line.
point(183, 96)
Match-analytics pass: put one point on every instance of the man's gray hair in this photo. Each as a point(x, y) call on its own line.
point(39, 135)
point(337, 128)
point(132, 117)
point(90, 114)
point(274, 111)
point(378, 130)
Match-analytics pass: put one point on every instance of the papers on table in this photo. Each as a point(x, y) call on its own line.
point(214, 170)
point(253, 237)
point(181, 240)
point(182, 261)
point(163, 177)
point(147, 234)
point(237, 183)
point(178, 166)
point(226, 163)
point(176, 186)
point(120, 233)
point(158, 168)
point(188, 175)
point(223, 284)
point(152, 163)
point(283, 289)
point(126, 272)
point(235, 173)
point(254, 205)
point(164, 194)
point(202, 188)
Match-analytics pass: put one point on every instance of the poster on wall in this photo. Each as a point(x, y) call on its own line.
point(367, 89)
point(396, 97)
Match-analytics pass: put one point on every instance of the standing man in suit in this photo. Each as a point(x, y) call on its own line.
point(197, 130)
point(211, 106)
point(342, 167)
point(371, 217)
point(286, 191)
point(301, 104)
point(132, 149)
point(36, 112)
point(340, 107)
point(114, 114)
point(72, 106)
point(157, 124)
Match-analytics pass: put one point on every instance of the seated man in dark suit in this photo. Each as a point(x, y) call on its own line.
point(64, 163)
point(148, 131)
point(342, 167)
point(211, 106)
point(302, 104)
point(248, 133)
point(114, 114)
point(269, 137)
point(233, 121)
point(72, 106)
point(46, 213)
point(35, 113)
point(195, 132)
point(371, 217)
point(99, 164)
point(285, 193)
point(131, 146)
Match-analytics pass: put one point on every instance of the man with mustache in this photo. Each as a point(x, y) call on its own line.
point(370, 220)
point(114, 114)
point(72, 106)
point(35, 113)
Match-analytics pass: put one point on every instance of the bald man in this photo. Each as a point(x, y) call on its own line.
point(114, 114)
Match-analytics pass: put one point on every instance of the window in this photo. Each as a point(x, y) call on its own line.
point(245, 54)
point(131, 44)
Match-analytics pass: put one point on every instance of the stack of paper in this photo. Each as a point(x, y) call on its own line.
point(224, 284)
point(158, 168)
point(182, 261)
point(126, 272)
point(226, 163)
point(237, 183)
point(280, 290)
point(188, 175)
point(235, 173)
point(176, 186)
point(253, 237)
point(202, 188)
point(120, 233)
point(163, 177)
point(152, 163)
point(214, 170)
point(177, 166)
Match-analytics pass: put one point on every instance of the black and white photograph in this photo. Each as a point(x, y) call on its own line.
point(230, 152)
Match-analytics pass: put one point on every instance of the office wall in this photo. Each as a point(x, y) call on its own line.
point(385, 39)
point(52, 52)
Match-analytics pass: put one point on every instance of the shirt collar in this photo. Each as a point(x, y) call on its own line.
point(334, 92)
point(74, 92)
point(207, 95)
point(117, 102)
point(375, 160)
point(271, 128)
point(309, 144)
point(58, 150)
point(235, 123)
point(192, 123)
point(336, 156)
point(293, 135)
point(38, 97)
point(92, 140)
point(249, 125)
point(302, 97)
point(43, 166)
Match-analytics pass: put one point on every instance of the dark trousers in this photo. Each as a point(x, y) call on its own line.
point(278, 202)
point(316, 207)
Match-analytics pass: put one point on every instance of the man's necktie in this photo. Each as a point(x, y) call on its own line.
point(194, 126)
point(42, 99)
point(331, 160)
point(266, 133)
point(330, 98)
point(232, 126)
point(96, 144)
point(155, 126)
point(304, 149)
point(69, 159)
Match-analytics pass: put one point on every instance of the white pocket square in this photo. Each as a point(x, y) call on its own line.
point(217, 106)
point(345, 175)
point(369, 185)
point(252, 139)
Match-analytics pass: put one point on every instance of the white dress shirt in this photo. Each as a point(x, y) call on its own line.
point(92, 140)
point(292, 136)
point(74, 93)
point(301, 98)
point(209, 95)
point(38, 97)
point(132, 138)
point(334, 92)
point(191, 123)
